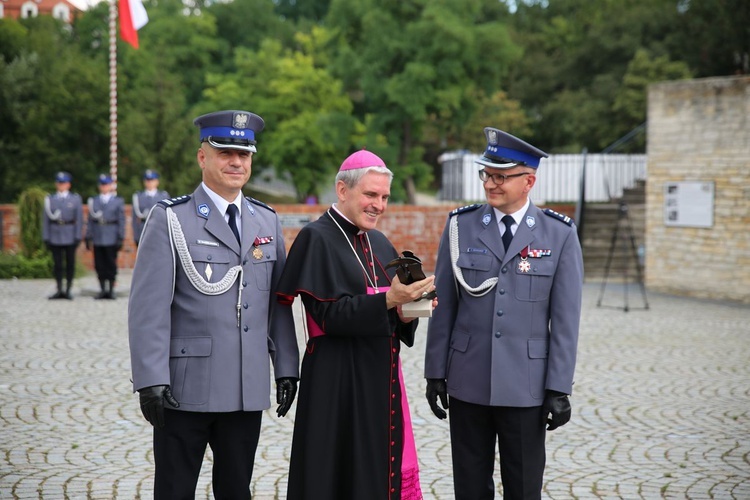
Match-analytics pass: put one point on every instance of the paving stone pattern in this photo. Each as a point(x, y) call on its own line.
point(661, 406)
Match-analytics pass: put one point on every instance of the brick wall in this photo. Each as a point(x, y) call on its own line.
point(415, 228)
point(699, 130)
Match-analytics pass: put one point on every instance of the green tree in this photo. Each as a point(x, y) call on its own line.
point(410, 64)
point(713, 37)
point(631, 104)
point(57, 112)
point(309, 127)
point(576, 56)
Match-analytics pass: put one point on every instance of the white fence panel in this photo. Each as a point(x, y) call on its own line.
point(558, 177)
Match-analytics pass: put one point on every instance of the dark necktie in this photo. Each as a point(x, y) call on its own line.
point(233, 212)
point(508, 234)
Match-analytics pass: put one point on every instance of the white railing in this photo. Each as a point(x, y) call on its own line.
point(558, 177)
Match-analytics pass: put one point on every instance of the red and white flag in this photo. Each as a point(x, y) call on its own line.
point(132, 18)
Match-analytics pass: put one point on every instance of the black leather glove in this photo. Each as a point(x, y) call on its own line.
point(119, 244)
point(436, 388)
point(88, 244)
point(286, 390)
point(555, 409)
point(152, 403)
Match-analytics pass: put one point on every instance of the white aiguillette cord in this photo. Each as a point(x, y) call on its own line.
point(372, 254)
point(177, 238)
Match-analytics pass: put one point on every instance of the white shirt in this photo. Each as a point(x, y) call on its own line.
point(517, 216)
point(222, 205)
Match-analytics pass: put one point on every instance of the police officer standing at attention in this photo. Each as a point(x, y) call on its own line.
point(144, 200)
point(502, 344)
point(104, 232)
point(61, 231)
point(204, 322)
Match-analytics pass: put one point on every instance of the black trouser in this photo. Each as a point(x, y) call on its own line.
point(519, 434)
point(58, 252)
point(105, 262)
point(180, 446)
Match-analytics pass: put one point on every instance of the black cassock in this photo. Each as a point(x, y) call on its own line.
point(352, 430)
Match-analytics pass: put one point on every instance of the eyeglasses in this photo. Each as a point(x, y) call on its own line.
point(498, 179)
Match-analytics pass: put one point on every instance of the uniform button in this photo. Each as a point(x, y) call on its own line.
point(392, 474)
point(183, 350)
point(209, 257)
point(393, 412)
point(394, 349)
point(244, 284)
point(393, 396)
point(501, 291)
point(244, 305)
point(268, 256)
point(498, 335)
point(244, 262)
point(535, 269)
point(393, 490)
point(393, 443)
point(246, 328)
point(505, 270)
point(500, 312)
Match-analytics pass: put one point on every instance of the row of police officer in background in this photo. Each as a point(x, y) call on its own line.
point(63, 228)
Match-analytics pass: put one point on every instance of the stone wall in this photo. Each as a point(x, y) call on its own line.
point(699, 130)
point(415, 228)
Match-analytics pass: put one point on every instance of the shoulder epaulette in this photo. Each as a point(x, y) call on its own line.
point(557, 215)
point(467, 208)
point(259, 203)
point(177, 200)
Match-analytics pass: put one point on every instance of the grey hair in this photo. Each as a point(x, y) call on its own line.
point(352, 177)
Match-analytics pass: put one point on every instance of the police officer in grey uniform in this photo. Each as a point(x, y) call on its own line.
point(62, 228)
point(105, 232)
point(204, 322)
point(144, 200)
point(502, 343)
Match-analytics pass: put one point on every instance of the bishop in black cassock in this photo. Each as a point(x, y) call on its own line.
point(352, 433)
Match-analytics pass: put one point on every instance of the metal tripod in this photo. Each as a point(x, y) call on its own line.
point(623, 223)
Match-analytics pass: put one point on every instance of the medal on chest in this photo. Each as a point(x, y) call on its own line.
point(535, 253)
point(524, 265)
point(257, 253)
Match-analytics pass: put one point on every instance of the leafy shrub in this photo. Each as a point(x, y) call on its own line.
point(30, 209)
point(18, 266)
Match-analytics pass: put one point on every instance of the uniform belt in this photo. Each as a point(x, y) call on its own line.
point(64, 222)
point(105, 222)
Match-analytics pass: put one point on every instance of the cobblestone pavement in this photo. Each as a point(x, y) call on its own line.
point(661, 407)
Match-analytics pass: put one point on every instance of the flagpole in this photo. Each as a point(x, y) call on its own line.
point(113, 91)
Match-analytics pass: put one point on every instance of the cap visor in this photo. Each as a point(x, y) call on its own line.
point(219, 145)
point(488, 163)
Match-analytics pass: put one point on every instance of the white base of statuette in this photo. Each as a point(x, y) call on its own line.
point(421, 309)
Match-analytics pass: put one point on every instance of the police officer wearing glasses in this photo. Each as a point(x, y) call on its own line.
point(501, 346)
